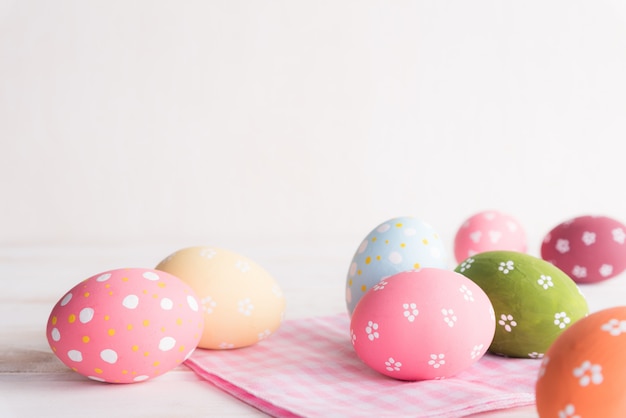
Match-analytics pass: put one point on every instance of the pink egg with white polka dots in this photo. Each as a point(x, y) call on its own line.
point(422, 324)
point(488, 231)
point(125, 325)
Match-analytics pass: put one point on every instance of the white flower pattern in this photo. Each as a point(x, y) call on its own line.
point(437, 360)
point(410, 311)
point(392, 365)
point(380, 285)
point(588, 373)
point(242, 266)
point(606, 270)
point(561, 320)
point(589, 238)
point(506, 267)
point(449, 317)
point(562, 245)
point(545, 281)
point(372, 330)
point(477, 350)
point(615, 327)
point(466, 265)
point(568, 412)
point(467, 294)
point(263, 335)
point(579, 271)
point(245, 306)
point(208, 304)
point(208, 253)
point(508, 322)
point(495, 236)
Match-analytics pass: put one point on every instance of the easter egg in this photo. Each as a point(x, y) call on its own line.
point(241, 302)
point(423, 324)
point(125, 325)
point(534, 301)
point(583, 373)
point(588, 248)
point(399, 244)
point(488, 231)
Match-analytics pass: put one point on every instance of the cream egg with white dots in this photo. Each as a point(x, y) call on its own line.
point(126, 325)
point(241, 302)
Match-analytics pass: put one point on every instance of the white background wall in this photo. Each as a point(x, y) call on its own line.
point(204, 121)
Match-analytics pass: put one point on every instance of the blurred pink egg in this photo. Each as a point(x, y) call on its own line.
point(488, 231)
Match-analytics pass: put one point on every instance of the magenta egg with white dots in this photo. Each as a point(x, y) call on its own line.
point(423, 324)
point(125, 325)
point(489, 231)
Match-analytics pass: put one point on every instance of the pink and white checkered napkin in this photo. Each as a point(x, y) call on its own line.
point(309, 369)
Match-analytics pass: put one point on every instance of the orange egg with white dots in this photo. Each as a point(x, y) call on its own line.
point(125, 325)
point(583, 373)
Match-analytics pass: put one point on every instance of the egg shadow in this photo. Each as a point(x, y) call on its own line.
point(25, 360)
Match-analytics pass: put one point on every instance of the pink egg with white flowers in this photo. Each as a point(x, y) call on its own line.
point(489, 231)
point(422, 324)
point(125, 325)
point(588, 248)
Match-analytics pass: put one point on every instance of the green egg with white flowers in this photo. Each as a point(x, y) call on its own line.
point(533, 300)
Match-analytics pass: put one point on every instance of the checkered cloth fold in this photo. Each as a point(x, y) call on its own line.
point(309, 369)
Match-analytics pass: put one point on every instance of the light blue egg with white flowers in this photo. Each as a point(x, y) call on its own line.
point(397, 245)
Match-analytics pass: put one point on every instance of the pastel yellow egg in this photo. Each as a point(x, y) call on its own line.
point(242, 303)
